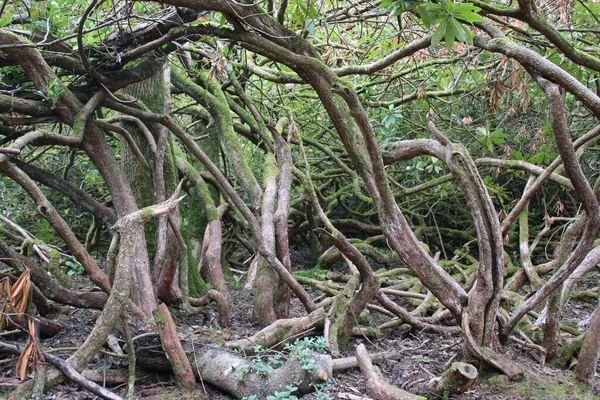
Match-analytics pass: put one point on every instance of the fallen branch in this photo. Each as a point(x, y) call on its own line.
point(69, 371)
point(280, 332)
point(238, 376)
point(352, 362)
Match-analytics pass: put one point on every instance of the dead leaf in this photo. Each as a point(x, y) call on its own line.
point(5, 300)
point(31, 356)
point(292, 131)
point(548, 221)
point(19, 292)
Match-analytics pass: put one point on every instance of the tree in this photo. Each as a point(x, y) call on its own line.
point(324, 113)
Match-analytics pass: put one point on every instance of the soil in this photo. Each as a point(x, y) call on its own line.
point(417, 358)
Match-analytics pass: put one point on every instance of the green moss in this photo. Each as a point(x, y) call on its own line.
point(197, 286)
point(54, 267)
point(314, 273)
point(536, 387)
point(567, 352)
point(159, 317)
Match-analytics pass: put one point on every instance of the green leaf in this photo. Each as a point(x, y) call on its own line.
point(458, 28)
point(450, 36)
point(434, 7)
point(439, 33)
point(466, 12)
point(427, 17)
point(497, 137)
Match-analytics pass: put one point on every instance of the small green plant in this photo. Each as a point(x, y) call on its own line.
point(320, 394)
point(262, 363)
point(74, 268)
point(285, 395)
point(55, 88)
point(237, 281)
point(253, 397)
point(242, 373)
point(302, 350)
point(262, 367)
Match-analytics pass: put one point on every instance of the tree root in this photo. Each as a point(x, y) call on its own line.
point(377, 387)
point(217, 297)
point(513, 372)
point(170, 343)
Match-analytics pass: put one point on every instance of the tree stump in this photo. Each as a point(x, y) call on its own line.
point(457, 379)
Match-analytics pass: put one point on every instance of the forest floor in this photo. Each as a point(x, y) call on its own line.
point(417, 358)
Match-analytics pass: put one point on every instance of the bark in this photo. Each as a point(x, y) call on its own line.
point(376, 385)
point(214, 100)
point(408, 318)
point(456, 379)
point(210, 253)
point(584, 140)
point(48, 212)
point(217, 297)
point(584, 192)
point(184, 377)
point(232, 196)
point(588, 355)
point(128, 231)
point(484, 298)
point(538, 65)
point(236, 375)
point(45, 327)
point(66, 188)
point(266, 279)
point(153, 185)
point(72, 113)
point(280, 332)
point(348, 305)
point(524, 250)
point(210, 260)
point(280, 220)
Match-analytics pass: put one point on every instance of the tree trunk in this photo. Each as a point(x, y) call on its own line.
point(238, 376)
point(151, 184)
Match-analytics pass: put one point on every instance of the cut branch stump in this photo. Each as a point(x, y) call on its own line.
point(457, 379)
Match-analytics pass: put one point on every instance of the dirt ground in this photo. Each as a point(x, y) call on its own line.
point(417, 358)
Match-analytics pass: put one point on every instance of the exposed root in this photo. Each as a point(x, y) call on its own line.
point(513, 372)
point(377, 387)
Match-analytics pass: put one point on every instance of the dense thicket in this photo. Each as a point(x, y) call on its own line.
point(437, 159)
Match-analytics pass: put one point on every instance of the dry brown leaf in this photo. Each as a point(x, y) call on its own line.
point(291, 137)
point(31, 355)
point(5, 301)
point(20, 292)
point(23, 360)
